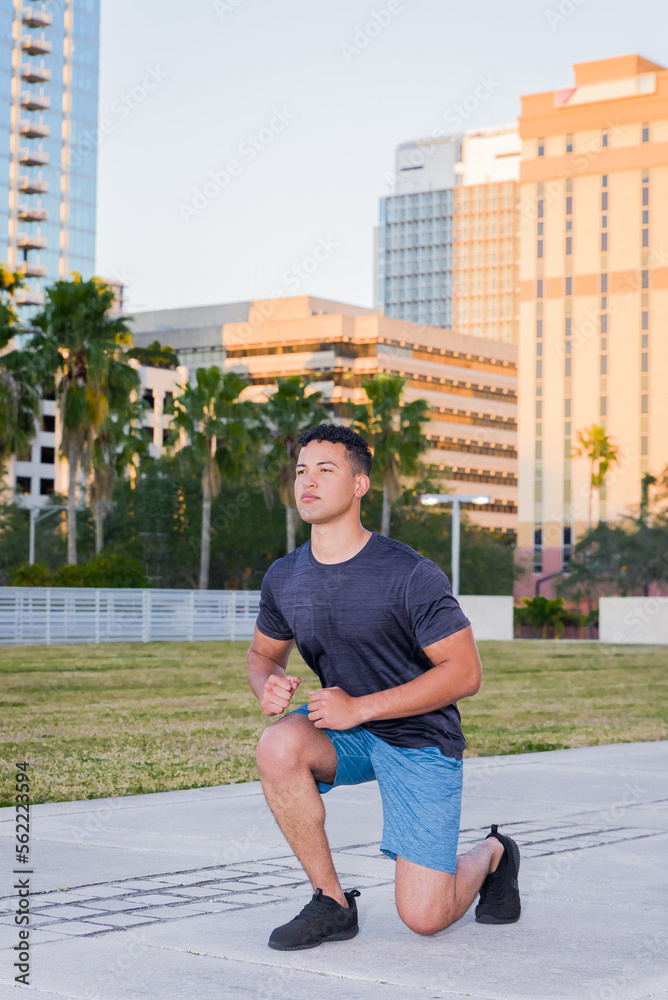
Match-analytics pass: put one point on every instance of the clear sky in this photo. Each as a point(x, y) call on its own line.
point(239, 135)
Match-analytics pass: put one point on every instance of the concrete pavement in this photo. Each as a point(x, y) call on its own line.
point(174, 895)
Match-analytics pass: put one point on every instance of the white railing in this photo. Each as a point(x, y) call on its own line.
point(34, 616)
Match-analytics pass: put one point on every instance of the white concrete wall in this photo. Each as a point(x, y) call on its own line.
point(490, 617)
point(633, 619)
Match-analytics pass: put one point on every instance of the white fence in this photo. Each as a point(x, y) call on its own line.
point(634, 619)
point(49, 615)
point(490, 617)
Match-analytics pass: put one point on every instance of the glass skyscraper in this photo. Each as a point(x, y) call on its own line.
point(415, 257)
point(49, 59)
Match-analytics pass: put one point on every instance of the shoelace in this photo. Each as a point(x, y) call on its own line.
point(491, 890)
point(316, 908)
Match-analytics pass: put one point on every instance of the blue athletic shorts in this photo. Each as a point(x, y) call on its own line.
point(421, 791)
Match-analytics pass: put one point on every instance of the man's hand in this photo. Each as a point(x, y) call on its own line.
point(332, 708)
point(278, 692)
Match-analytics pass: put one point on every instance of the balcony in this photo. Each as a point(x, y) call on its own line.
point(35, 102)
point(32, 73)
point(29, 270)
point(33, 185)
point(33, 130)
point(31, 242)
point(37, 17)
point(25, 297)
point(32, 214)
point(33, 158)
point(33, 45)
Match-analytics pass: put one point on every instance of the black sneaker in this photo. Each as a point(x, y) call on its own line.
point(499, 893)
point(323, 919)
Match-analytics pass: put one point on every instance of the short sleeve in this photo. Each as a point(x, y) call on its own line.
point(270, 621)
point(433, 610)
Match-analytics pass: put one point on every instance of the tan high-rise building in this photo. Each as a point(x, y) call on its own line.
point(594, 298)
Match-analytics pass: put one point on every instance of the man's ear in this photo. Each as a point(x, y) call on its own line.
point(362, 485)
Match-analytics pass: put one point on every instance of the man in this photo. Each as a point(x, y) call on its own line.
point(378, 624)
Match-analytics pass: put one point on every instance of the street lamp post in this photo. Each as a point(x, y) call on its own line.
point(456, 499)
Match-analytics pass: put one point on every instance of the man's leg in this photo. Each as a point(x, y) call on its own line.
point(291, 755)
point(429, 900)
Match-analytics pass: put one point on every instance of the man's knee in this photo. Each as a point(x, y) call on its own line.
point(282, 745)
point(425, 919)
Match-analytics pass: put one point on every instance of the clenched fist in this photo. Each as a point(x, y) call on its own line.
point(278, 692)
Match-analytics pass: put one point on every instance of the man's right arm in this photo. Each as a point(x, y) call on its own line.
point(267, 659)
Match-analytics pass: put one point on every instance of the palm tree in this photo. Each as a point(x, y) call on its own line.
point(19, 377)
point(118, 445)
point(83, 342)
point(394, 432)
point(216, 425)
point(594, 444)
point(289, 412)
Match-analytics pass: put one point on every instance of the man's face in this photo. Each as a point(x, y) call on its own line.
point(325, 487)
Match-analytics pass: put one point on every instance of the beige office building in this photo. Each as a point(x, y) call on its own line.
point(469, 382)
point(594, 298)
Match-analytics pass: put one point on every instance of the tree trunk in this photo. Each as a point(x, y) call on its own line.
point(73, 460)
point(205, 549)
point(290, 528)
point(385, 519)
point(99, 526)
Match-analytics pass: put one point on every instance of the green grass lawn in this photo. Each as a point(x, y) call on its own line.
point(123, 719)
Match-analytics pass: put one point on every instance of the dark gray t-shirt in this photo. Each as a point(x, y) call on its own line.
point(362, 624)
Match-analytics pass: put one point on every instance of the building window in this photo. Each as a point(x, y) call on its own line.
point(645, 133)
point(645, 216)
point(569, 204)
point(541, 204)
point(46, 487)
point(47, 456)
point(569, 286)
point(539, 369)
point(539, 328)
point(568, 325)
point(566, 554)
point(23, 484)
point(539, 288)
point(604, 139)
point(541, 147)
point(149, 398)
point(569, 245)
point(604, 283)
point(567, 368)
point(644, 401)
point(645, 279)
point(48, 423)
point(644, 362)
point(604, 323)
point(644, 319)
point(539, 248)
point(604, 201)
point(645, 237)
point(603, 406)
point(604, 364)
point(645, 196)
point(604, 241)
point(569, 143)
point(604, 181)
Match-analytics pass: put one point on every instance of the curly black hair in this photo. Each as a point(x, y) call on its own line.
point(357, 448)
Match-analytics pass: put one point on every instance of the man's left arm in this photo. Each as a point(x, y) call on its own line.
point(456, 674)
